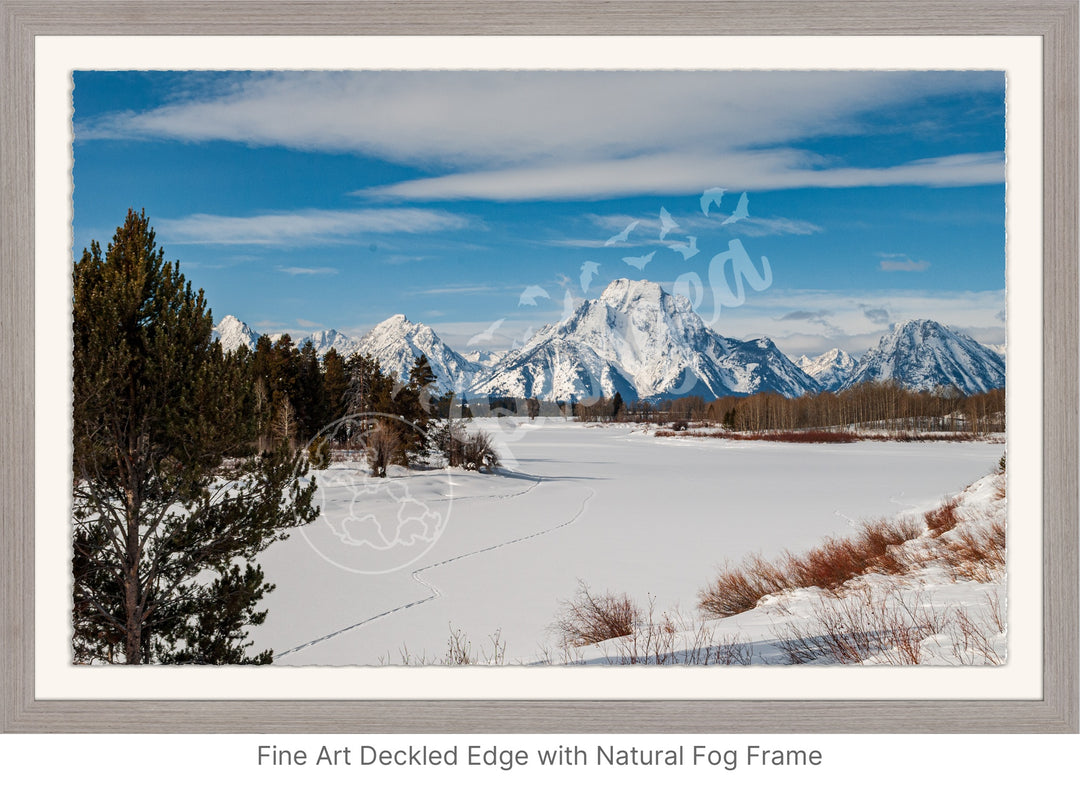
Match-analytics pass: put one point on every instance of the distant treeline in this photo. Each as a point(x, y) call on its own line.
point(867, 406)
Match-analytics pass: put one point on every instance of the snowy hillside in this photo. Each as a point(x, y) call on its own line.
point(644, 343)
point(831, 369)
point(922, 355)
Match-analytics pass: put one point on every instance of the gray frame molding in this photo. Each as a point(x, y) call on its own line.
point(1054, 20)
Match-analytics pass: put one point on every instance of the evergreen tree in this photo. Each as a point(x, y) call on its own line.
point(335, 385)
point(618, 408)
point(311, 391)
point(165, 531)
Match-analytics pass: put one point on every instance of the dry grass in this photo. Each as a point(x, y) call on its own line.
point(975, 553)
point(943, 518)
point(828, 567)
point(1000, 488)
point(459, 651)
point(740, 588)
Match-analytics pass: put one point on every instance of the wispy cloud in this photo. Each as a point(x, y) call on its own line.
point(305, 227)
point(758, 226)
point(805, 314)
point(901, 262)
point(647, 231)
point(876, 314)
point(307, 323)
point(684, 173)
point(855, 319)
point(818, 317)
point(300, 271)
point(494, 135)
point(468, 289)
point(439, 117)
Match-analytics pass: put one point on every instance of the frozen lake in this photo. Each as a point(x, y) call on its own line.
point(395, 563)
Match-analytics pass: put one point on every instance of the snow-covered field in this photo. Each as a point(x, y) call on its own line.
point(396, 564)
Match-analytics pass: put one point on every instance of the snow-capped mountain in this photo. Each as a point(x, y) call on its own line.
point(485, 358)
point(397, 342)
point(831, 369)
point(644, 343)
point(328, 338)
point(922, 355)
point(234, 333)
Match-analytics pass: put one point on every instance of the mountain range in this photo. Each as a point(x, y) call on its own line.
point(637, 340)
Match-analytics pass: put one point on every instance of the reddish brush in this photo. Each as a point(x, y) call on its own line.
point(942, 519)
point(828, 566)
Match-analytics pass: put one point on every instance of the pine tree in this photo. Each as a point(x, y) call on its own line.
point(335, 385)
point(311, 391)
point(618, 409)
point(165, 529)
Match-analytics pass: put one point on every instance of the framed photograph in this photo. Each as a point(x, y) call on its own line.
point(542, 368)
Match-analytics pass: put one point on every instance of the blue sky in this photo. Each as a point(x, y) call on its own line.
point(306, 200)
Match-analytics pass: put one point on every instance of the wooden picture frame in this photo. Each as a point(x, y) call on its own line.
point(1055, 21)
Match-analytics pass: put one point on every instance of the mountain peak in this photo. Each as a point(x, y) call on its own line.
point(831, 369)
point(234, 332)
point(922, 355)
point(643, 343)
point(396, 320)
point(622, 292)
point(229, 321)
point(397, 342)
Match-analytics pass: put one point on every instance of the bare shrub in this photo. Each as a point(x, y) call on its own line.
point(976, 553)
point(383, 446)
point(590, 618)
point(651, 639)
point(879, 540)
point(828, 566)
point(740, 588)
point(668, 638)
point(996, 611)
point(880, 626)
point(976, 638)
point(943, 518)
point(731, 650)
point(840, 560)
point(459, 651)
point(479, 452)
point(461, 449)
